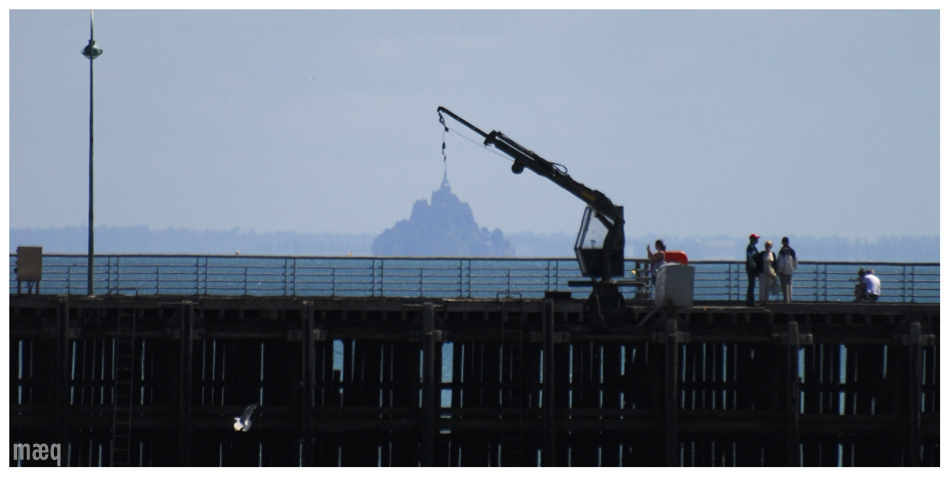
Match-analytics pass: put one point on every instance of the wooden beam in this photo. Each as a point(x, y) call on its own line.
point(428, 385)
point(187, 320)
point(671, 403)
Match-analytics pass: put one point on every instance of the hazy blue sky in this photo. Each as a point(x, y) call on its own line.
point(808, 123)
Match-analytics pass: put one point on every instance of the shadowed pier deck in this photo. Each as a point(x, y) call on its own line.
point(474, 382)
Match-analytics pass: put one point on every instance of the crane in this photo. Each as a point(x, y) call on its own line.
point(600, 240)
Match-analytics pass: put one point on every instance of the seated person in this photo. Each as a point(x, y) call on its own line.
point(868, 287)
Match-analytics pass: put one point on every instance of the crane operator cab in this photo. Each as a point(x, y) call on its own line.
point(589, 246)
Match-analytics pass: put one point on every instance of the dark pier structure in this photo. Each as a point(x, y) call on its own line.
point(157, 380)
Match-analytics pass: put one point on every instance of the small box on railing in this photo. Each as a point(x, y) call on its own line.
point(29, 264)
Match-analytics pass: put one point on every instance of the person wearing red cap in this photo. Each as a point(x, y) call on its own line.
point(751, 268)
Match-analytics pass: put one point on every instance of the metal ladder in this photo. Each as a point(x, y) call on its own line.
point(512, 388)
point(123, 387)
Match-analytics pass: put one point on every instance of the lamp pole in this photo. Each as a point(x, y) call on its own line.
point(91, 52)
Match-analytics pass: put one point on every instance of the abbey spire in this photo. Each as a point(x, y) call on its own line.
point(445, 178)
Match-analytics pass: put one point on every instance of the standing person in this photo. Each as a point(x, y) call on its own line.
point(656, 260)
point(766, 272)
point(787, 263)
point(751, 268)
point(868, 287)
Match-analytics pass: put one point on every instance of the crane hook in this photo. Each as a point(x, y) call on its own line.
point(446, 129)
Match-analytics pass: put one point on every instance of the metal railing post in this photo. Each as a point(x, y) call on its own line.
point(904, 284)
point(468, 278)
point(382, 277)
point(372, 271)
point(740, 269)
point(547, 275)
point(913, 277)
point(197, 274)
point(285, 276)
point(825, 288)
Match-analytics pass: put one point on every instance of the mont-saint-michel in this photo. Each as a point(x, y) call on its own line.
point(443, 227)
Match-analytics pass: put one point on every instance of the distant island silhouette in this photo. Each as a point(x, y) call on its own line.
point(443, 228)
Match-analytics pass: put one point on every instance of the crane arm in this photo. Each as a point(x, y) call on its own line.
point(608, 214)
point(606, 211)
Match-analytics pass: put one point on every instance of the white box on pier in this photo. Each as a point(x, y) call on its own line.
point(674, 285)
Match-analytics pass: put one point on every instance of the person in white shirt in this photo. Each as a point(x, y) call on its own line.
point(868, 287)
point(767, 273)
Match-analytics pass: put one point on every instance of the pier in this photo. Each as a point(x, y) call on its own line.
point(156, 380)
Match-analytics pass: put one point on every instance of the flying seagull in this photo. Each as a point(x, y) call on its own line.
point(243, 422)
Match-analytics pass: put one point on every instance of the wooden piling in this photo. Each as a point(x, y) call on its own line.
point(186, 316)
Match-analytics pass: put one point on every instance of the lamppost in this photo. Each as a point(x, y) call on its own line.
point(91, 52)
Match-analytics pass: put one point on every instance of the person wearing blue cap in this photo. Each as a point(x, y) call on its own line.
point(787, 263)
point(751, 268)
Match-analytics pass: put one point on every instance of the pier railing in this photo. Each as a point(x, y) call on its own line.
point(438, 277)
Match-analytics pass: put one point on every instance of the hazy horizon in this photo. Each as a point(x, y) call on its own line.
point(142, 240)
point(84, 226)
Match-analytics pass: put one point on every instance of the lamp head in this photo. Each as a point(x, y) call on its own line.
point(91, 51)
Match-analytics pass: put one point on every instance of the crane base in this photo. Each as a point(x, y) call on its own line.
point(605, 306)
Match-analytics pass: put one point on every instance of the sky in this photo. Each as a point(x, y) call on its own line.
point(700, 123)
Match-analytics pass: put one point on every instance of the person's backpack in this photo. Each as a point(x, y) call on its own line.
point(753, 262)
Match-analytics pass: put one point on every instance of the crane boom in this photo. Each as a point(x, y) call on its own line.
point(525, 158)
point(609, 214)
